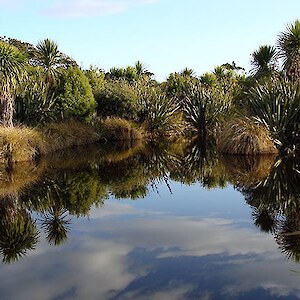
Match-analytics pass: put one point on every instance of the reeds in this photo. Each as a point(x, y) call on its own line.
point(244, 136)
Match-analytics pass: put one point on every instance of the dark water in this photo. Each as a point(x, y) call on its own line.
point(152, 223)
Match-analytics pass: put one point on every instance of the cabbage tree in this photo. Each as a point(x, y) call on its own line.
point(289, 49)
point(12, 70)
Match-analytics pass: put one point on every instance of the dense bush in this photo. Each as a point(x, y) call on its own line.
point(75, 97)
point(96, 79)
point(276, 104)
point(118, 98)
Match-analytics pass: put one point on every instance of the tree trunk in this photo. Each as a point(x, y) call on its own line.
point(6, 109)
point(202, 125)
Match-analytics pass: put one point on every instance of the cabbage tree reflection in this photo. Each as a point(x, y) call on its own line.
point(18, 232)
point(276, 205)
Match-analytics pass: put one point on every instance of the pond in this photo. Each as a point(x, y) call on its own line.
point(170, 222)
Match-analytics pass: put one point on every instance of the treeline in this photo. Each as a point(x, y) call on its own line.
point(245, 113)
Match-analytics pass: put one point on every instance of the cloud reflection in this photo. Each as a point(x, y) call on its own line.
point(128, 254)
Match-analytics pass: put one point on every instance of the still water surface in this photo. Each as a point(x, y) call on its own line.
point(150, 224)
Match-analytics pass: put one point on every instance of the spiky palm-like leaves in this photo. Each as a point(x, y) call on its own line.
point(289, 49)
point(159, 113)
point(142, 70)
point(12, 70)
point(275, 201)
point(263, 61)
point(35, 103)
point(201, 108)
point(288, 237)
point(187, 72)
point(277, 105)
point(49, 58)
point(18, 234)
point(56, 226)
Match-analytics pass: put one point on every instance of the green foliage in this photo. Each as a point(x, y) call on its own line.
point(203, 108)
point(209, 79)
point(118, 98)
point(289, 49)
point(178, 83)
point(12, 66)
point(129, 73)
point(35, 103)
point(226, 83)
point(27, 49)
point(96, 79)
point(51, 60)
point(48, 57)
point(12, 70)
point(159, 113)
point(276, 104)
point(18, 234)
point(75, 98)
point(264, 61)
point(56, 226)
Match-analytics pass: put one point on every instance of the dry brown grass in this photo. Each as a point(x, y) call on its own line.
point(23, 175)
point(19, 143)
point(22, 143)
point(244, 136)
point(116, 129)
point(67, 134)
point(247, 170)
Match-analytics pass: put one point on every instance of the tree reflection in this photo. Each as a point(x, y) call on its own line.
point(56, 225)
point(18, 232)
point(276, 205)
point(70, 185)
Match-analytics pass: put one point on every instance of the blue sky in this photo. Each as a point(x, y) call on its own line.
point(166, 35)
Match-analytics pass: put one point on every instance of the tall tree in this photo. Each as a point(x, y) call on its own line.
point(289, 49)
point(12, 70)
point(141, 69)
point(48, 57)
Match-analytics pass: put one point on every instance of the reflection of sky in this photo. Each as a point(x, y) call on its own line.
point(214, 202)
point(189, 245)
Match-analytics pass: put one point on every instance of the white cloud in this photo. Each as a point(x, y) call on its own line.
point(87, 8)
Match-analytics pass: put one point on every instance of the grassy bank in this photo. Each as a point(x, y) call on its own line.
point(22, 143)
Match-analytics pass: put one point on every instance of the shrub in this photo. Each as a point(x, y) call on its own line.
point(244, 136)
point(36, 104)
point(75, 97)
point(159, 114)
point(204, 108)
point(96, 79)
point(118, 98)
point(276, 104)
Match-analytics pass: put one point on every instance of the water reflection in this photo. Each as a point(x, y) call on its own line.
point(140, 253)
point(275, 201)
